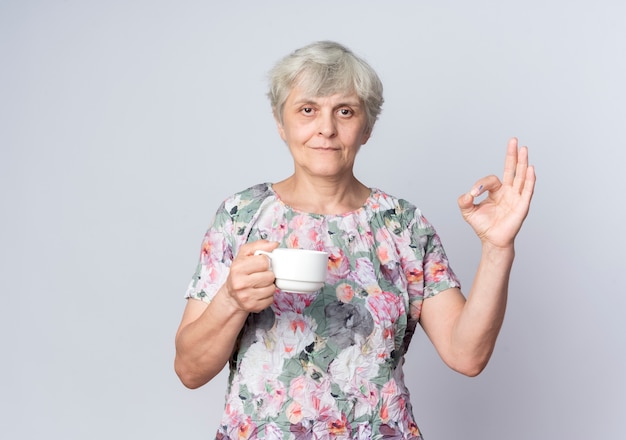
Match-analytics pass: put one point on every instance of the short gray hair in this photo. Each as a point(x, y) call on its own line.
point(324, 68)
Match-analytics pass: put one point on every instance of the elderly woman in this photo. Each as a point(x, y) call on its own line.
point(329, 364)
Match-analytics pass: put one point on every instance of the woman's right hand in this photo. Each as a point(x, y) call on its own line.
point(250, 283)
point(208, 332)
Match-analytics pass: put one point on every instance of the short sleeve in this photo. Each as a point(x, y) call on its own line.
point(438, 275)
point(216, 255)
point(427, 269)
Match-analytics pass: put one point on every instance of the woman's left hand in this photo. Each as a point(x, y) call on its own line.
point(498, 218)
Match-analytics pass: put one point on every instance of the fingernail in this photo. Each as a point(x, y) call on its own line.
point(476, 191)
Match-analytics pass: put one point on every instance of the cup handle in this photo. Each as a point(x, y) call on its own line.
point(267, 254)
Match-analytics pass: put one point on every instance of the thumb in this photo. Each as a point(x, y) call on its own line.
point(265, 245)
point(466, 202)
point(248, 249)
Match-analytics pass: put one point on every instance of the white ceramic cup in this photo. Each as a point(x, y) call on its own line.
point(298, 270)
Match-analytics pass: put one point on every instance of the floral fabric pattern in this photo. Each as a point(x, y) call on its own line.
point(326, 365)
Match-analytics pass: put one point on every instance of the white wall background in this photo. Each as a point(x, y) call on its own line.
point(123, 124)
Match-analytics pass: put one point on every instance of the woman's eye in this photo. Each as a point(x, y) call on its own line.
point(307, 110)
point(345, 112)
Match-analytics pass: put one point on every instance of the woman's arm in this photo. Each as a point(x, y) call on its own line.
point(208, 332)
point(464, 332)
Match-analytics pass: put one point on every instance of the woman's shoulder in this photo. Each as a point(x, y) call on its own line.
point(395, 209)
point(248, 198)
point(258, 191)
point(384, 201)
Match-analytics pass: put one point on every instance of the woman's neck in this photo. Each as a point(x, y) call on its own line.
point(322, 196)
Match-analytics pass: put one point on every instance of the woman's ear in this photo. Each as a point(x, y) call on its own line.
point(280, 128)
point(366, 136)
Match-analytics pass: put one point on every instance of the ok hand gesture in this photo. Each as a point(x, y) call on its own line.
point(498, 218)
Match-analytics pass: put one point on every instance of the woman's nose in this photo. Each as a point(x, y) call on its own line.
point(327, 126)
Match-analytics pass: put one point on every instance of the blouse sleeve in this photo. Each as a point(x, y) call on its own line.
point(216, 256)
point(430, 272)
point(438, 275)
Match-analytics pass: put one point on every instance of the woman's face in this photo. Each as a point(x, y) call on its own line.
point(324, 133)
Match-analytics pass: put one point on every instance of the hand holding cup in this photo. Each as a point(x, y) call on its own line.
point(250, 283)
point(297, 270)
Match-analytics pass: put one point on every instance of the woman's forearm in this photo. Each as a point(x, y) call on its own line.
point(478, 324)
point(204, 345)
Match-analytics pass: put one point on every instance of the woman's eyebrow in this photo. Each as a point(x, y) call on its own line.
point(305, 101)
point(351, 102)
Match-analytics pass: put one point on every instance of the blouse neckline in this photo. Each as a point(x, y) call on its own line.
point(367, 204)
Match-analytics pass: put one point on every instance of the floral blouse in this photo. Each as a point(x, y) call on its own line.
point(328, 364)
